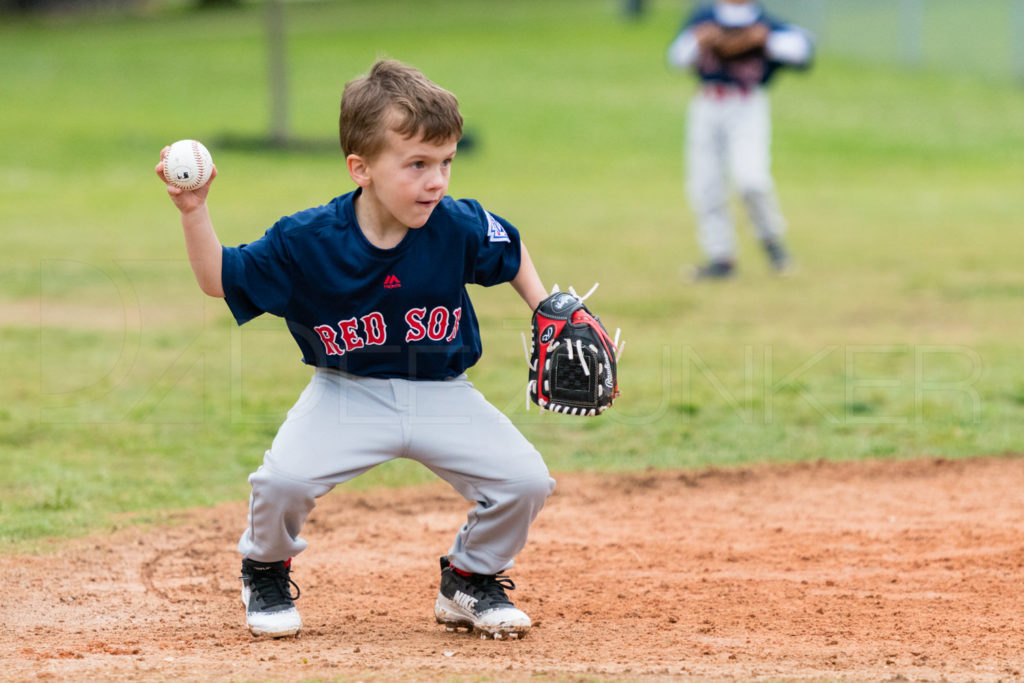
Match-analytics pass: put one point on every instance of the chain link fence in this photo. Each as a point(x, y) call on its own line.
point(982, 37)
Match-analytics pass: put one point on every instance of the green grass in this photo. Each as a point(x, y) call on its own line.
point(125, 392)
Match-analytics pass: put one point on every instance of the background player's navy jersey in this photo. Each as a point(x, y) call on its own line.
point(746, 70)
point(400, 312)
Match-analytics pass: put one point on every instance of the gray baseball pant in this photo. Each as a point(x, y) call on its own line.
point(343, 425)
point(729, 138)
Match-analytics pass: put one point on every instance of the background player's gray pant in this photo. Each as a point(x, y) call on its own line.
point(343, 425)
point(728, 137)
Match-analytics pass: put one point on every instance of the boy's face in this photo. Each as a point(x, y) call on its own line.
point(408, 178)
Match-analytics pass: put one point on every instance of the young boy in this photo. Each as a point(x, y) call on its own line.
point(735, 49)
point(372, 287)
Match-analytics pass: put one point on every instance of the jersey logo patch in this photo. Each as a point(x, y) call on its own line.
point(495, 231)
point(391, 282)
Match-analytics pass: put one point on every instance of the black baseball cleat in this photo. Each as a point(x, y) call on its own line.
point(267, 596)
point(713, 270)
point(478, 603)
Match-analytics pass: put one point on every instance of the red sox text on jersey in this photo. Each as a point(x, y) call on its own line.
point(439, 324)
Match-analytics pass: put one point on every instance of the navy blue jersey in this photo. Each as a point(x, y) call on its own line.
point(400, 312)
point(746, 70)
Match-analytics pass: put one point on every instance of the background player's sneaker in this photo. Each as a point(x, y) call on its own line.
point(479, 602)
point(778, 256)
point(712, 270)
point(269, 603)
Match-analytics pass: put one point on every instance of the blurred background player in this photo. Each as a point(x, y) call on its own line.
point(735, 48)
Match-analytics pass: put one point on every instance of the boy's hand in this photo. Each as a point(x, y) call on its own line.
point(708, 34)
point(185, 200)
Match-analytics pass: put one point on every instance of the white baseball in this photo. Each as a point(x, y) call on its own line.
point(188, 164)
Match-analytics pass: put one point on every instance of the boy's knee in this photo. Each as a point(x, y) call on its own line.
point(535, 489)
point(269, 484)
point(754, 189)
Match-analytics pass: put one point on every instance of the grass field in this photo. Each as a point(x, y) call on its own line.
point(126, 393)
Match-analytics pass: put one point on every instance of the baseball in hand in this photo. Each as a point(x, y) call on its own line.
point(188, 164)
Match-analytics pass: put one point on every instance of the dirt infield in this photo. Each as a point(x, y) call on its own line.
point(872, 571)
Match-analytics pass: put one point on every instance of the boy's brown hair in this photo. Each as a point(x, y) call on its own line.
point(393, 96)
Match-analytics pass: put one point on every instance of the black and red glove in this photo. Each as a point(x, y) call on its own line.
point(573, 361)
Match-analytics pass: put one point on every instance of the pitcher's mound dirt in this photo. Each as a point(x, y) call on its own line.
point(871, 571)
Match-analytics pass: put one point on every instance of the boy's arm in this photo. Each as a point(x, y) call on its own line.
point(790, 45)
point(526, 282)
point(201, 242)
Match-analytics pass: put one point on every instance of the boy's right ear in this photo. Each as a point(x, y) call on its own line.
point(358, 169)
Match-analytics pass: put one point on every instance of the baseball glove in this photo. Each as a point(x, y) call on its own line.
point(733, 42)
point(573, 361)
